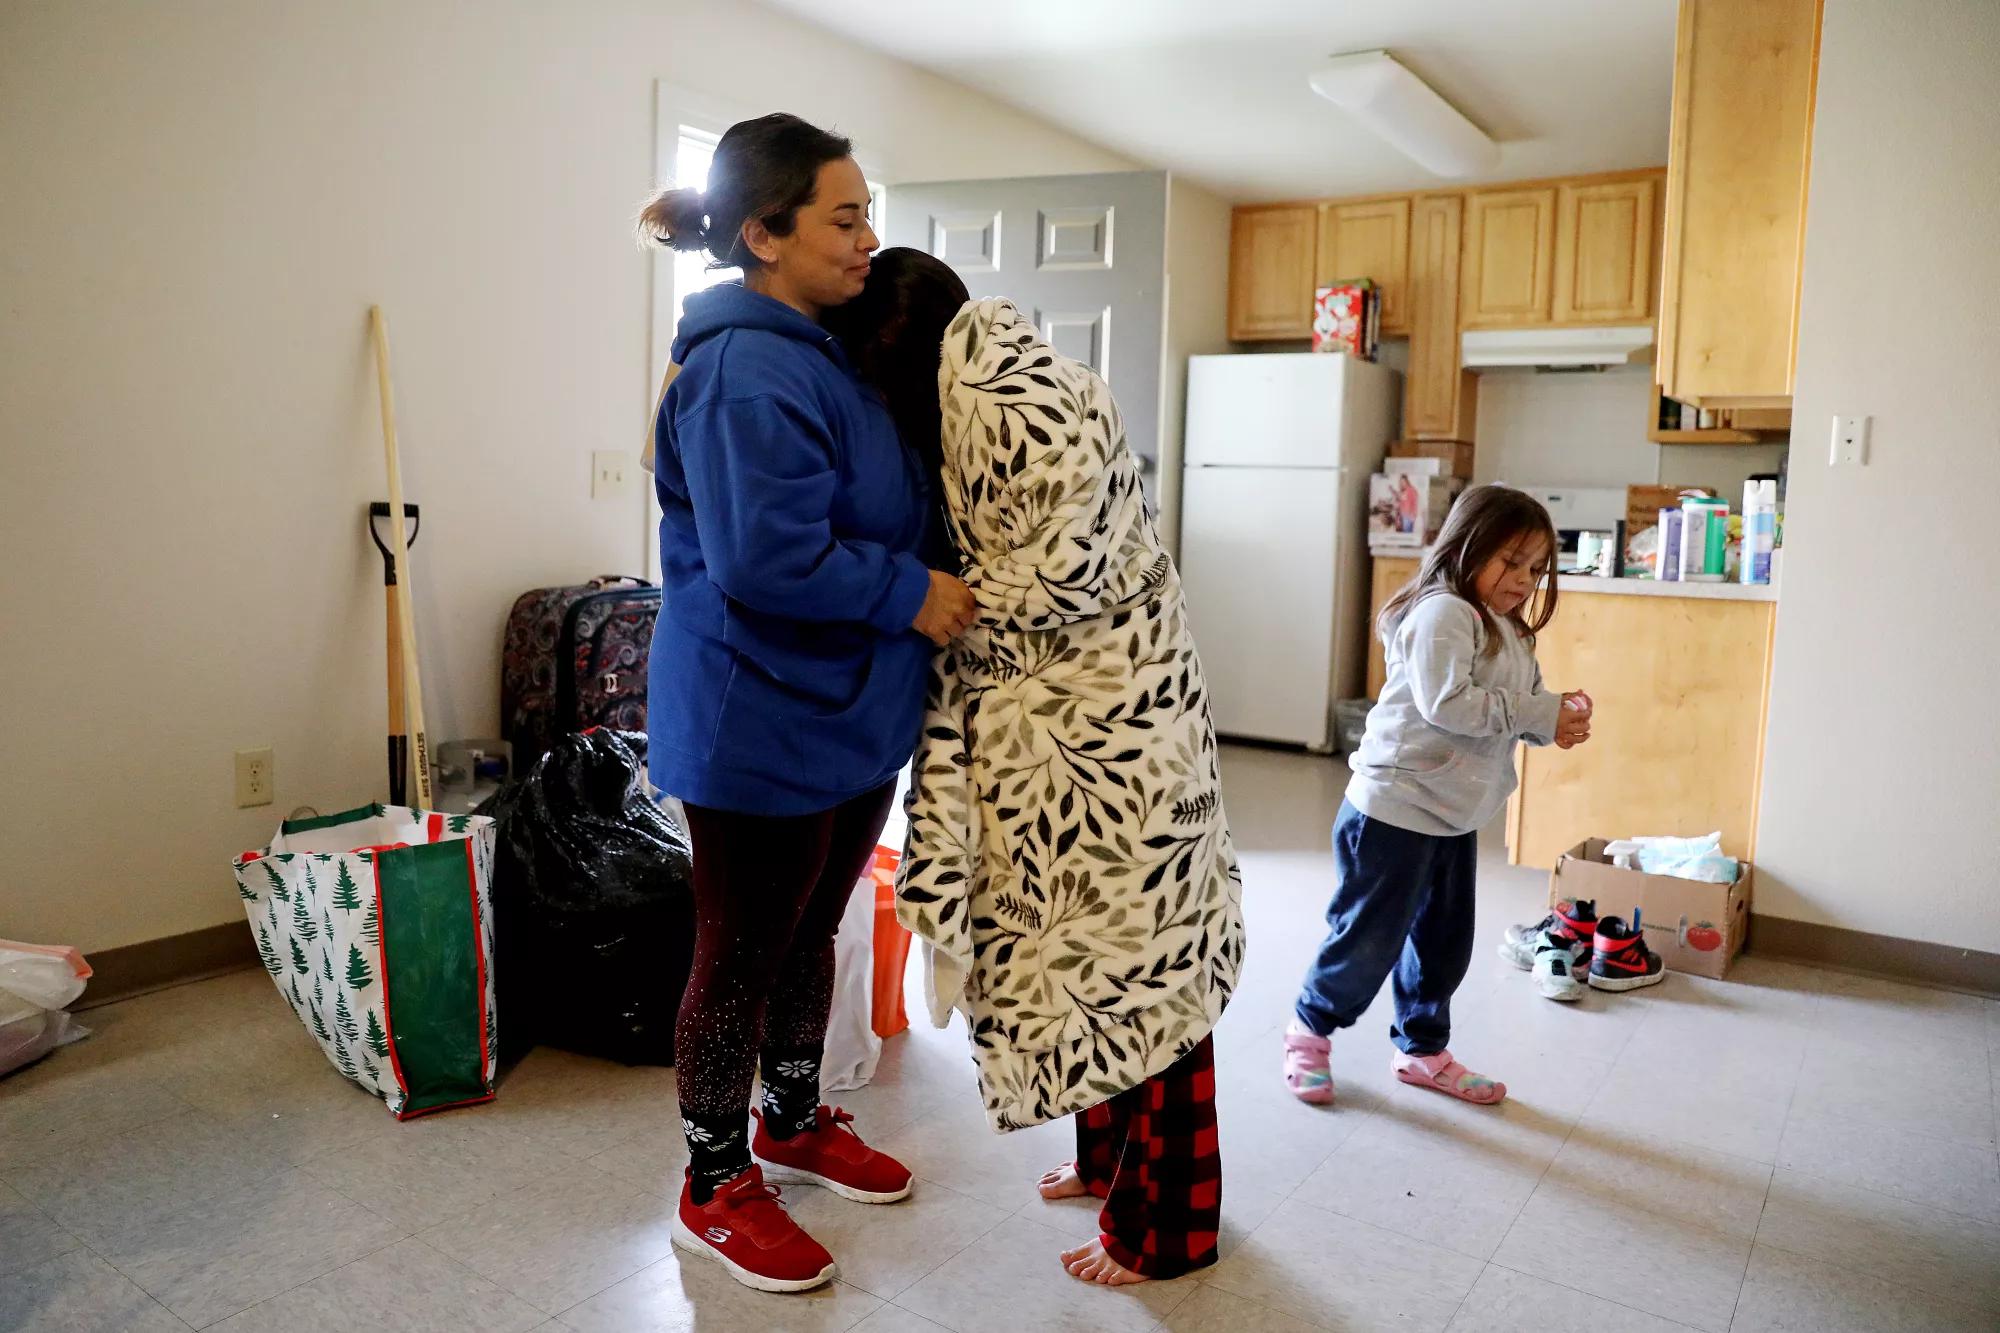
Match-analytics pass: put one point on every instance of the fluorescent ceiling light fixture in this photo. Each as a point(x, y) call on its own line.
point(1375, 88)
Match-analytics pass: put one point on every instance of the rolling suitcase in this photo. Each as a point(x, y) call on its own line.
point(575, 658)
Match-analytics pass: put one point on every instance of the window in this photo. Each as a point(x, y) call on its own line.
point(692, 156)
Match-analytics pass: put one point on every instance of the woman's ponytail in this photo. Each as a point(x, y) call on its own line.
point(676, 218)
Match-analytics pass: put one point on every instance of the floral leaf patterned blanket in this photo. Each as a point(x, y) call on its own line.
point(1069, 864)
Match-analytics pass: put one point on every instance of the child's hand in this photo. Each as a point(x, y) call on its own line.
point(1573, 722)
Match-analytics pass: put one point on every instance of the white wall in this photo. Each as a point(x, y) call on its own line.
point(1725, 467)
point(1197, 324)
point(202, 200)
point(1882, 763)
point(1590, 430)
point(1565, 430)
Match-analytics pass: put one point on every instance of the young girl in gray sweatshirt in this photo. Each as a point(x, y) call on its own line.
point(1435, 765)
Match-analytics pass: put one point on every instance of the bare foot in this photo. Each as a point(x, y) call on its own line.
point(1091, 1264)
point(1063, 1183)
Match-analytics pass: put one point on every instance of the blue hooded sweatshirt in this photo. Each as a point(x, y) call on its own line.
point(785, 677)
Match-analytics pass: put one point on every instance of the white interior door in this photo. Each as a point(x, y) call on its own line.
point(1082, 256)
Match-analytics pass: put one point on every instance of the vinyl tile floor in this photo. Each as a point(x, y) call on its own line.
point(1791, 1149)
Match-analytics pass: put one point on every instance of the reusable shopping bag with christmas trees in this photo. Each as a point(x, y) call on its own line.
point(376, 925)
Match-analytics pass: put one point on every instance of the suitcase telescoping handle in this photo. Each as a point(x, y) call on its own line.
point(603, 581)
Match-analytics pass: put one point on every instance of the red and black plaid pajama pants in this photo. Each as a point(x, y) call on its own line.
point(1150, 1153)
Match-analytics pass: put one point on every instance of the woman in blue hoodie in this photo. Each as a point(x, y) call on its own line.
point(788, 671)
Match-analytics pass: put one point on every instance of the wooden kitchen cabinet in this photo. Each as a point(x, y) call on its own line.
point(1369, 238)
point(1390, 574)
point(1737, 158)
point(1271, 255)
point(1440, 400)
point(1604, 262)
point(1509, 258)
point(1680, 685)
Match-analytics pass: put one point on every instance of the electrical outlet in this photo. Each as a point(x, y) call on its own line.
point(254, 785)
point(609, 473)
point(1850, 441)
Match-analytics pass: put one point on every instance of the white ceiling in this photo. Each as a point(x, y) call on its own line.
point(1216, 89)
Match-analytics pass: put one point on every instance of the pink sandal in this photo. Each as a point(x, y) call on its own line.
point(1441, 1073)
point(1307, 1072)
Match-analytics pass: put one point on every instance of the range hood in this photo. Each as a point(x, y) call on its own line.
point(1630, 344)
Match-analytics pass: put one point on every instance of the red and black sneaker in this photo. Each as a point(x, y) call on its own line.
point(1621, 960)
point(1573, 922)
point(748, 1230)
point(832, 1155)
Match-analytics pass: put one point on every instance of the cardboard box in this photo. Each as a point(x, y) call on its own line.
point(1644, 503)
point(1413, 467)
point(1405, 512)
point(1695, 927)
point(1456, 457)
point(1346, 318)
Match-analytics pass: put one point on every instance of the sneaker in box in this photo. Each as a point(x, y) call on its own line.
point(1694, 926)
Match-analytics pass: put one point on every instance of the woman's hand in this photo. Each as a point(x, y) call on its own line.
point(948, 609)
point(1573, 722)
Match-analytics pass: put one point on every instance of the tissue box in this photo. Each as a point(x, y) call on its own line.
point(1456, 457)
point(1693, 926)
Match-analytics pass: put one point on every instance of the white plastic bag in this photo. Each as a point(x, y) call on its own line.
point(852, 1048)
point(36, 981)
point(27, 1040)
point(1684, 858)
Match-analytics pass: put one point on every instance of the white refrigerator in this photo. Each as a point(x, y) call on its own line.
point(1274, 533)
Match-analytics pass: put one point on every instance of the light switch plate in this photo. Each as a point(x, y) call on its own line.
point(610, 473)
point(1850, 441)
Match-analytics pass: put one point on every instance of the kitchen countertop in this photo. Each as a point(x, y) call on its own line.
point(1722, 592)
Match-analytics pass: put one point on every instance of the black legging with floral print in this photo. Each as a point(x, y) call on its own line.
point(769, 892)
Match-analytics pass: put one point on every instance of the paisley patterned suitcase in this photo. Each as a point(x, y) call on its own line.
point(575, 658)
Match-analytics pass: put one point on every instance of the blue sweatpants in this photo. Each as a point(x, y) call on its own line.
point(1403, 908)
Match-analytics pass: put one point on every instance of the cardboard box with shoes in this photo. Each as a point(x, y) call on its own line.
point(1694, 926)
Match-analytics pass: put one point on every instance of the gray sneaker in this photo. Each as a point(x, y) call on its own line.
point(1573, 921)
point(1555, 969)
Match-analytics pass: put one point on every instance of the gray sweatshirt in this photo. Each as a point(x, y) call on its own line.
point(1438, 755)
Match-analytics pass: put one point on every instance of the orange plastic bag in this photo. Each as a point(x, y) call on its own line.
point(892, 948)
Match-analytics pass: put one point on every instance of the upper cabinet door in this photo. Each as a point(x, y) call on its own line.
point(1271, 272)
point(1440, 400)
point(1369, 240)
point(1509, 257)
point(1744, 76)
point(1604, 252)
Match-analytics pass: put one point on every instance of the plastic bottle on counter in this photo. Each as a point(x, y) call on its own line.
point(1589, 550)
point(1667, 555)
point(1704, 539)
point(1760, 530)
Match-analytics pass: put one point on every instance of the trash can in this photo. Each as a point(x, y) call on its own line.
point(1350, 719)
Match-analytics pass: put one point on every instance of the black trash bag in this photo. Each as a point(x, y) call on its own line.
point(593, 905)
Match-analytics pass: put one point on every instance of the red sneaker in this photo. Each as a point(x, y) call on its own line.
point(748, 1230)
point(832, 1155)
